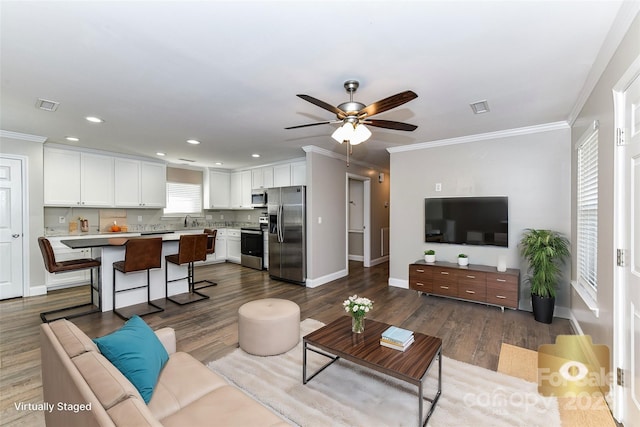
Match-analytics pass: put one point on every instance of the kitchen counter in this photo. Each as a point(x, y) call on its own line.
point(112, 249)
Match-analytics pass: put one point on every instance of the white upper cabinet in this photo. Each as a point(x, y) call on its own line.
point(241, 189)
point(140, 184)
point(262, 177)
point(219, 190)
point(72, 178)
point(153, 185)
point(282, 175)
point(299, 173)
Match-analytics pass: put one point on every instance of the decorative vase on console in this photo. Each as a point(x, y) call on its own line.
point(463, 260)
point(358, 307)
point(430, 256)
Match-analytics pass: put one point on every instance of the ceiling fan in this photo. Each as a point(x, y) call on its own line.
point(353, 115)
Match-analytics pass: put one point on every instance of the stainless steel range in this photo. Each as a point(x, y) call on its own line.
point(252, 245)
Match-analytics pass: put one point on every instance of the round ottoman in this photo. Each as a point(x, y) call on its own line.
point(267, 327)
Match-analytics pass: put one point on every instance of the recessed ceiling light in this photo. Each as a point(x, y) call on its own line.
point(72, 139)
point(93, 119)
point(161, 154)
point(218, 163)
point(480, 107)
point(193, 141)
point(45, 104)
point(255, 155)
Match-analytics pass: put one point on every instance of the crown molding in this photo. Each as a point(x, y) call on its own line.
point(528, 130)
point(624, 19)
point(22, 136)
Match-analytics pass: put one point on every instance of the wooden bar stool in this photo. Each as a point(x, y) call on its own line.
point(211, 248)
point(192, 247)
point(139, 255)
point(56, 267)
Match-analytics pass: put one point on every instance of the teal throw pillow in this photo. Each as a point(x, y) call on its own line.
point(137, 352)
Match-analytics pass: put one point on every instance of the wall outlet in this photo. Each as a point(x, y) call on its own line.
point(139, 218)
point(319, 220)
point(62, 219)
point(208, 217)
point(249, 217)
point(438, 186)
point(221, 216)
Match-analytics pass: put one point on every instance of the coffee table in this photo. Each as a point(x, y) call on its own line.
point(336, 341)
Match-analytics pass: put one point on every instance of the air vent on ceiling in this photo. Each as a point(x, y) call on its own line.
point(187, 160)
point(45, 104)
point(480, 107)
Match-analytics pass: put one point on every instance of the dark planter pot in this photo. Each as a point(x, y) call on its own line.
point(543, 308)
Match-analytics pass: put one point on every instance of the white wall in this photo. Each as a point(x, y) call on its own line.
point(326, 199)
point(599, 106)
point(532, 170)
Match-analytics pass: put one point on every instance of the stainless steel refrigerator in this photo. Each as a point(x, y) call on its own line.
point(287, 211)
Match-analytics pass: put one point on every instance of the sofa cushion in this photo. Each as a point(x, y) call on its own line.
point(183, 380)
point(132, 413)
point(225, 406)
point(71, 338)
point(137, 352)
point(106, 382)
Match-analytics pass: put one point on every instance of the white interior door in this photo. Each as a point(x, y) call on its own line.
point(11, 233)
point(631, 274)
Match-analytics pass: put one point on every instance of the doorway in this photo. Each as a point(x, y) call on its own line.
point(358, 219)
point(12, 275)
point(626, 345)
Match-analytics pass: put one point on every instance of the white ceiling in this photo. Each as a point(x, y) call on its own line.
point(227, 73)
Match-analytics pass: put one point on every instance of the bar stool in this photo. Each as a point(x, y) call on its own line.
point(139, 255)
point(55, 267)
point(192, 247)
point(211, 248)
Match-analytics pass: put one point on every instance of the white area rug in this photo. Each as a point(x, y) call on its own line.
point(346, 394)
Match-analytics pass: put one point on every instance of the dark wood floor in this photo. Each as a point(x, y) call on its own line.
point(471, 333)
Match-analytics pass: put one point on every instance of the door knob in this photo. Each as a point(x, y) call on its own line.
point(15, 236)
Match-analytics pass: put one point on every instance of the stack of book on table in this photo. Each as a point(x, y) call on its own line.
point(396, 338)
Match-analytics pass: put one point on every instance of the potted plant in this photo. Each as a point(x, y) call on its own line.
point(463, 260)
point(430, 256)
point(545, 251)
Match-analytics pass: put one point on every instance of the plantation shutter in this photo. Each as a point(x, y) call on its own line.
point(587, 212)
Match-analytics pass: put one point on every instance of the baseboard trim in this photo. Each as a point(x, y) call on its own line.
point(380, 260)
point(399, 283)
point(314, 283)
point(37, 290)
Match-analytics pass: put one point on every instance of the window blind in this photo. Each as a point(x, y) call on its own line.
point(587, 212)
point(184, 192)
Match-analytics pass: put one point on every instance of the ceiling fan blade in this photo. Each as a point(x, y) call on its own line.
point(387, 103)
point(388, 124)
point(341, 114)
point(307, 125)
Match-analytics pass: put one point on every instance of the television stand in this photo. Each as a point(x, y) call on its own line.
point(475, 283)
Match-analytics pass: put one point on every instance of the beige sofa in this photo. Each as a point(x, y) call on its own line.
point(82, 388)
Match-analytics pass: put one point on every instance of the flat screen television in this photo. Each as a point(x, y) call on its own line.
point(467, 220)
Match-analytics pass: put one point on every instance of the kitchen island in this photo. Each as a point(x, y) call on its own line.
point(112, 249)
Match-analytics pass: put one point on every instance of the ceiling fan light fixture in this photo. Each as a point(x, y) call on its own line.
point(360, 134)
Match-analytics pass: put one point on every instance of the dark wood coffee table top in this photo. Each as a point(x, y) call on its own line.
point(365, 349)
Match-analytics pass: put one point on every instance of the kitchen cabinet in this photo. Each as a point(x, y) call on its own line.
point(233, 245)
point(140, 184)
point(262, 177)
point(282, 175)
point(219, 190)
point(299, 173)
point(241, 189)
point(73, 178)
